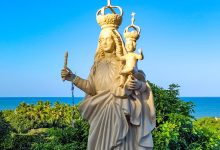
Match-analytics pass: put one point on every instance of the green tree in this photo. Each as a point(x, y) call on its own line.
point(175, 129)
point(5, 130)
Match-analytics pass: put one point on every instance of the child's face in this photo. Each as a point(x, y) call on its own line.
point(130, 45)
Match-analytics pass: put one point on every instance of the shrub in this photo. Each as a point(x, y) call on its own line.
point(5, 130)
point(41, 115)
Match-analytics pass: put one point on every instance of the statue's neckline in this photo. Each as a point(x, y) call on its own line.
point(109, 59)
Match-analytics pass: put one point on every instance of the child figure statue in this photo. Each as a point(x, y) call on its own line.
point(130, 58)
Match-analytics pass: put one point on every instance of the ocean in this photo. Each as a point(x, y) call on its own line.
point(204, 106)
point(13, 102)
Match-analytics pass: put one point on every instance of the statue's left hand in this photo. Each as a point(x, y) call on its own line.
point(132, 83)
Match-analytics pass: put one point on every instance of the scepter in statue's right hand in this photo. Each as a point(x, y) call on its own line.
point(65, 62)
point(66, 73)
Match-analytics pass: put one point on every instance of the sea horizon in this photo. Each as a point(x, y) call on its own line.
point(204, 106)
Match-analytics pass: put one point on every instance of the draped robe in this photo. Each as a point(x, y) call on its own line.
point(118, 121)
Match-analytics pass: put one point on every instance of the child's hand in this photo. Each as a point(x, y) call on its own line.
point(140, 50)
point(141, 54)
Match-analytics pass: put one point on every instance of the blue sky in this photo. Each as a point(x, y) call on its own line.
point(180, 41)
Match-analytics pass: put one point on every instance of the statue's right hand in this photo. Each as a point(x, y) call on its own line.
point(67, 74)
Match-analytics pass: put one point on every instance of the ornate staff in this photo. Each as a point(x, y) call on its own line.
point(72, 88)
point(73, 113)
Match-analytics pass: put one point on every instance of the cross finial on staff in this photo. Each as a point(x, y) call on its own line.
point(132, 19)
point(109, 3)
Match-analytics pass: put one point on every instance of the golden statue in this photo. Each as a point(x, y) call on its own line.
point(119, 119)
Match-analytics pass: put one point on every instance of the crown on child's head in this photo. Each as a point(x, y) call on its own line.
point(135, 34)
point(109, 20)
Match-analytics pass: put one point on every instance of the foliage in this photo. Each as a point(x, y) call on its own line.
point(210, 123)
point(175, 129)
point(41, 115)
point(4, 127)
point(208, 131)
point(67, 138)
point(43, 126)
point(47, 127)
point(167, 102)
point(5, 130)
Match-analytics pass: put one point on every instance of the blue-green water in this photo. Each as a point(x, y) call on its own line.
point(204, 106)
point(13, 102)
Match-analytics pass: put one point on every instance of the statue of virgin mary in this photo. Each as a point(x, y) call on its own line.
point(119, 119)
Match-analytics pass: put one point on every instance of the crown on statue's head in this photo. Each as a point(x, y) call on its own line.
point(132, 35)
point(109, 20)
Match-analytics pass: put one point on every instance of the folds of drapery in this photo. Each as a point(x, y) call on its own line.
point(109, 127)
point(117, 121)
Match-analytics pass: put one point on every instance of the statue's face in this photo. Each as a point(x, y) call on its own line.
point(130, 45)
point(107, 43)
